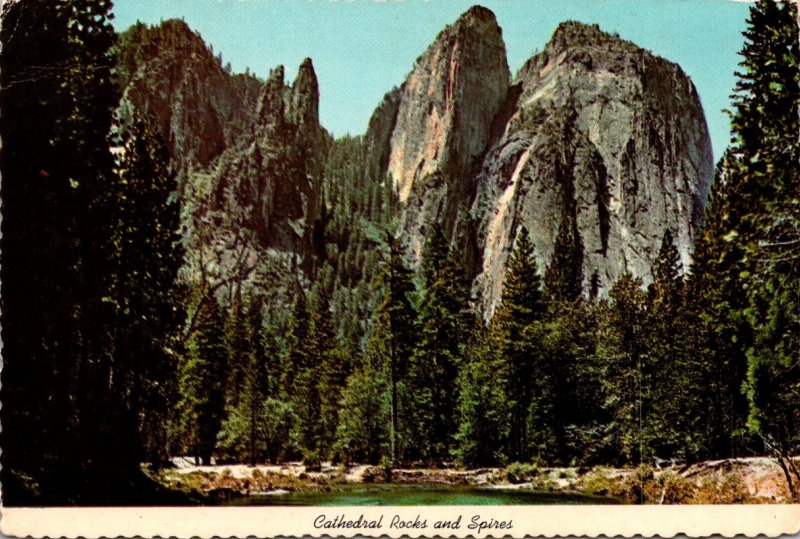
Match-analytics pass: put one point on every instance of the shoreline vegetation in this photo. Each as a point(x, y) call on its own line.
point(749, 480)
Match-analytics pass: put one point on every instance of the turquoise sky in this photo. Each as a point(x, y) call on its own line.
point(362, 48)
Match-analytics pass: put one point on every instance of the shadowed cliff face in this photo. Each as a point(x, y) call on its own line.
point(169, 74)
point(249, 154)
point(276, 173)
point(605, 133)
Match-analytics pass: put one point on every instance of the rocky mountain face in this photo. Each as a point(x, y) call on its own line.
point(441, 122)
point(275, 175)
point(168, 73)
point(249, 153)
point(594, 129)
point(607, 134)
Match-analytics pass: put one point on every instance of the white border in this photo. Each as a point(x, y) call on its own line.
point(541, 520)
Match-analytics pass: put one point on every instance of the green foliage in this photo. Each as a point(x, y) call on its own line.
point(517, 472)
point(767, 100)
point(334, 370)
point(363, 434)
point(577, 425)
point(483, 412)
point(148, 299)
point(563, 279)
point(254, 362)
point(719, 332)
point(57, 94)
point(444, 319)
point(516, 328)
point(202, 386)
point(393, 338)
point(622, 346)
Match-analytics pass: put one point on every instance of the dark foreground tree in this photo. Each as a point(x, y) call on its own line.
point(149, 312)
point(202, 386)
point(765, 126)
point(60, 441)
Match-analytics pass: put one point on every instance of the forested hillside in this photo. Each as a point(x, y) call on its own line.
point(193, 266)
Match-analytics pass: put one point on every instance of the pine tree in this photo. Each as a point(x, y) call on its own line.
point(316, 382)
point(521, 307)
point(444, 319)
point(252, 366)
point(765, 126)
point(148, 297)
point(521, 301)
point(258, 381)
point(297, 344)
point(202, 385)
point(667, 276)
point(627, 371)
point(483, 412)
point(334, 370)
point(296, 362)
point(57, 94)
point(399, 315)
point(677, 362)
point(362, 434)
point(578, 424)
point(563, 279)
point(719, 332)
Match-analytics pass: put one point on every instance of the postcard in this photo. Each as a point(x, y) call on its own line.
point(404, 268)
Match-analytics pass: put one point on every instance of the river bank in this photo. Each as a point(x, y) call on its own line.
point(745, 480)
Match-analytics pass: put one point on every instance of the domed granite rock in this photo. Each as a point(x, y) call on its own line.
point(608, 132)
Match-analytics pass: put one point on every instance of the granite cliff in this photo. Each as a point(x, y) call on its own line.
point(607, 134)
point(168, 73)
point(275, 174)
point(441, 124)
point(593, 129)
point(249, 153)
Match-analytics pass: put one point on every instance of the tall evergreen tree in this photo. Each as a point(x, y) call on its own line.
point(316, 385)
point(765, 126)
point(147, 295)
point(483, 411)
point(676, 361)
point(444, 319)
point(296, 362)
point(334, 369)
point(521, 307)
point(244, 430)
point(202, 385)
point(297, 343)
point(627, 372)
point(563, 278)
point(720, 333)
point(393, 338)
point(362, 434)
point(238, 342)
point(57, 96)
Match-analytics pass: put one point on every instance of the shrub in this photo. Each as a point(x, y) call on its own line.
point(518, 472)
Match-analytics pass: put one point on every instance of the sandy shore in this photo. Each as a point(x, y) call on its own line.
point(745, 480)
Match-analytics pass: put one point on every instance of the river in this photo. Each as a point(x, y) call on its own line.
point(419, 494)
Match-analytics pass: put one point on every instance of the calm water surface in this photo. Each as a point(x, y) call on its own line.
point(421, 494)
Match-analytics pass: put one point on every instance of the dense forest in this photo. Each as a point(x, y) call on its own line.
point(116, 353)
